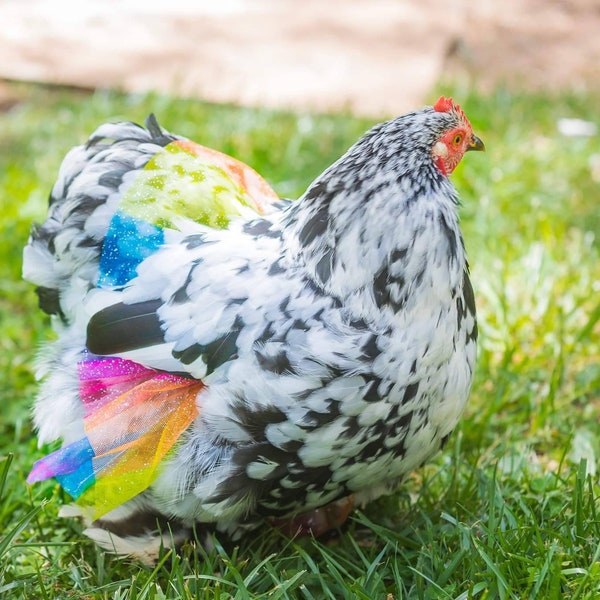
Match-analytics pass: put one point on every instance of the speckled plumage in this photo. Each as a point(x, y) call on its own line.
point(336, 334)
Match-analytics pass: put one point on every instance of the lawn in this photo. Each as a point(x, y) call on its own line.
point(507, 511)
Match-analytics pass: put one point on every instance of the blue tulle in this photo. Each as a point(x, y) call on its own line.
point(128, 242)
point(71, 465)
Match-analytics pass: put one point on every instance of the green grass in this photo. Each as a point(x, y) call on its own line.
point(508, 510)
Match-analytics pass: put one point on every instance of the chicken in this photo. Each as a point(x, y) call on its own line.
point(225, 357)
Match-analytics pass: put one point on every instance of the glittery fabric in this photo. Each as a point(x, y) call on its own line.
point(128, 242)
point(134, 417)
point(182, 180)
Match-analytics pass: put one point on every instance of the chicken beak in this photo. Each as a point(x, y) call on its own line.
point(476, 144)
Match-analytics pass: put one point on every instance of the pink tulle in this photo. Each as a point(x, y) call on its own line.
point(102, 380)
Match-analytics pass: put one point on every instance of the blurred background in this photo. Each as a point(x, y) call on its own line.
point(373, 57)
point(510, 509)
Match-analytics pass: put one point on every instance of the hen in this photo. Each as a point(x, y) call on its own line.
point(225, 357)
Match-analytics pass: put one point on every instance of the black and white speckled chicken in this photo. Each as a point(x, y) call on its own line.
point(227, 357)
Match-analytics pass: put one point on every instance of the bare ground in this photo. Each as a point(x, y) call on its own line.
point(372, 57)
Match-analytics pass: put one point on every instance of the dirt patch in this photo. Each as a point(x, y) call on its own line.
point(530, 44)
point(9, 96)
point(369, 56)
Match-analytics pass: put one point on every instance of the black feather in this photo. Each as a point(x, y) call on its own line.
point(123, 327)
point(160, 137)
point(215, 353)
point(49, 301)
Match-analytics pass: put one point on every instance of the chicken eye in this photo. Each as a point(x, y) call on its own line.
point(457, 139)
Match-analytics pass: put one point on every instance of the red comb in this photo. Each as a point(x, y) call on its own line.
point(443, 104)
point(446, 105)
